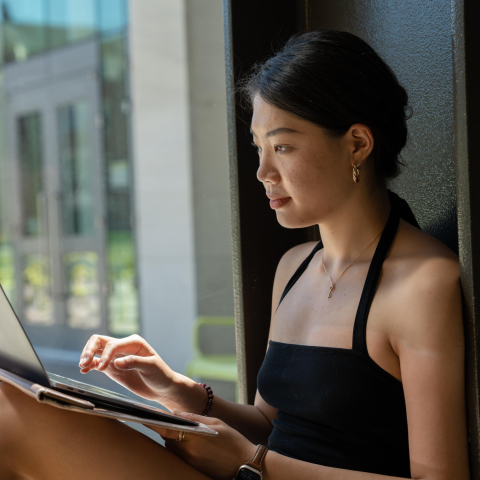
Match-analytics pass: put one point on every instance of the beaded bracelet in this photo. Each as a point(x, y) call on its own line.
point(210, 399)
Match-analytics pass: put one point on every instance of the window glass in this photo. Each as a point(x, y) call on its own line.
point(75, 161)
point(82, 302)
point(112, 15)
point(24, 28)
point(31, 167)
point(121, 258)
point(70, 21)
point(114, 182)
point(37, 295)
point(67, 241)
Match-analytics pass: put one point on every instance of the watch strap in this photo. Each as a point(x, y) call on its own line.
point(256, 461)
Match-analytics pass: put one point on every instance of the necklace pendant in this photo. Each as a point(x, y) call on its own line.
point(331, 290)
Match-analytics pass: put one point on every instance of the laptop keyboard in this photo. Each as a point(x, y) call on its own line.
point(86, 387)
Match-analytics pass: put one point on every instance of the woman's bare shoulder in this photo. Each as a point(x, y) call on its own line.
point(421, 254)
point(293, 258)
point(425, 288)
point(287, 266)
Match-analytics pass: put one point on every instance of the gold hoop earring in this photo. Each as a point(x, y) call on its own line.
point(356, 173)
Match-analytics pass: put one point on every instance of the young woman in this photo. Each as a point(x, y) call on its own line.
point(339, 398)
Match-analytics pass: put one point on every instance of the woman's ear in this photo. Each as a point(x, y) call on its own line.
point(361, 142)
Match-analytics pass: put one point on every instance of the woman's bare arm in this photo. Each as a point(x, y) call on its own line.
point(246, 419)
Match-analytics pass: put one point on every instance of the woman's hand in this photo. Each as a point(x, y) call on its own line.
point(217, 456)
point(133, 363)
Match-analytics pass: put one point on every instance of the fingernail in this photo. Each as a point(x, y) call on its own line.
point(101, 364)
point(82, 360)
point(179, 412)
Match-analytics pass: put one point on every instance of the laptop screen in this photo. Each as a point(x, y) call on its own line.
point(16, 352)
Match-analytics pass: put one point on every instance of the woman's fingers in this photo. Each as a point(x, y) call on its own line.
point(165, 432)
point(92, 366)
point(96, 360)
point(93, 347)
point(132, 345)
point(109, 347)
point(145, 365)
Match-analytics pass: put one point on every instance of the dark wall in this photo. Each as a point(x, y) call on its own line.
point(415, 39)
point(254, 30)
point(466, 45)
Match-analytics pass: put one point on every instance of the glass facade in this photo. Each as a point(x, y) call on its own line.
point(84, 89)
point(123, 303)
point(75, 161)
point(31, 27)
point(83, 304)
point(70, 21)
point(71, 259)
point(37, 297)
point(25, 29)
point(31, 168)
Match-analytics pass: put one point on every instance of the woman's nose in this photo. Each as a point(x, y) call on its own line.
point(266, 172)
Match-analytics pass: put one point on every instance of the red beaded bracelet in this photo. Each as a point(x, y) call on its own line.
point(210, 399)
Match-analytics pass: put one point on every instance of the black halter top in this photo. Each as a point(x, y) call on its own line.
point(336, 406)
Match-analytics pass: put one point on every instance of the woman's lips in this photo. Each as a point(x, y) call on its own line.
point(279, 202)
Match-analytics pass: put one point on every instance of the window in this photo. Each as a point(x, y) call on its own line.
point(114, 193)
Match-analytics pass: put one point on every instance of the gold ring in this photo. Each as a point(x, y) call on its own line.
point(181, 436)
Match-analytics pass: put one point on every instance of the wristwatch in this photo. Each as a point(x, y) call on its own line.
point(252, 470)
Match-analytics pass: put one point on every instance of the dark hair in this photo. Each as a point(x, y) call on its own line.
point(335, 79)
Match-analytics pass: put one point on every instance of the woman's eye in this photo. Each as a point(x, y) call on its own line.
point(277, 148)
point(257, 147)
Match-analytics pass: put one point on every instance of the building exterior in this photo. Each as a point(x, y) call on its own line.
point(114, 194)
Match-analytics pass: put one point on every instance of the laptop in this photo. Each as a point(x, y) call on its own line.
point(21, 367)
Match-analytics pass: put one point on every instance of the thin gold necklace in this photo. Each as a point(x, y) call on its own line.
point(331, 281)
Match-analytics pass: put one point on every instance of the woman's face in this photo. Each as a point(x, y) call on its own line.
point(310, 173)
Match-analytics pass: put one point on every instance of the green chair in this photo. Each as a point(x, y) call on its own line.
point(214, 351)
